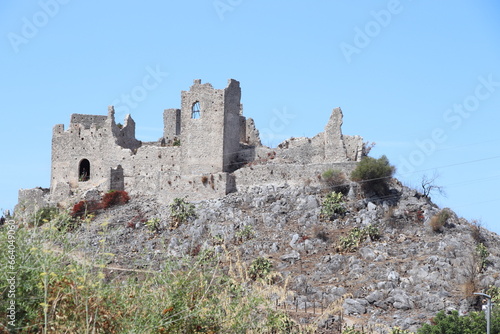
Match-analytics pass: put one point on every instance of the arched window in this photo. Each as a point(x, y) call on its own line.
point(195, 110)
point(84, 171)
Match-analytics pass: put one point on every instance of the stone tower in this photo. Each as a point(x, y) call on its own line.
point(208, 126)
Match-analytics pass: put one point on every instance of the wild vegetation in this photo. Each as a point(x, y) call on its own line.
point(61, 291)
point(336, 180)
point(374, 174)
point(181, 211)
point(333, 205)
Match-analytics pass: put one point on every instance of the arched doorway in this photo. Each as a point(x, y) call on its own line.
point(84, 171)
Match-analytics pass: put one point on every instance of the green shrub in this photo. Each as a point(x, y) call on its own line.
point(482, 253)
point(372, 231)
point(153, 224)
point(336, 180)
point(356, 236)
point(494, 292)
point(352, 241)
point(245, 233)
point(65, 222)
point(280, 322)
point(44, 215)
point(374, 174)
point(260, 268)
point(332, 205)
point(473, 323)
point(181, 211)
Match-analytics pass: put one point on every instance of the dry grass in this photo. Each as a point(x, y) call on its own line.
point(439, 220)
point(470, 279)
point(390, 219)
point(336, 181)
point(469, 287)
point(476, 228)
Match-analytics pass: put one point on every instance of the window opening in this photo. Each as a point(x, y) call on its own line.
point(195, 110)
point(84, 171)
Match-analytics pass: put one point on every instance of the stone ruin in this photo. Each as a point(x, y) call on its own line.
point(208, 150)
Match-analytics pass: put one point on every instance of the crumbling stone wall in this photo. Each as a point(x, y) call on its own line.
point(171, 125)
point(210, 141)
point(30, 201)
point(208, 149)
point(355, 147)
point(277, 175)
point(87, 120)
point(94, 153)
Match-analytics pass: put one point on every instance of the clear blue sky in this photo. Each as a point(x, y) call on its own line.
point(419, 78)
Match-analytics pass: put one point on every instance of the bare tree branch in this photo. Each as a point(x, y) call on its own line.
point(429, 186)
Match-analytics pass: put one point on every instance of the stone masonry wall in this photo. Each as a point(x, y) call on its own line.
point(210, 141)
point(217, 150)
point(278, 175)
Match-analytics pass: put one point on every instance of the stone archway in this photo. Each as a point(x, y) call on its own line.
point(84, 171)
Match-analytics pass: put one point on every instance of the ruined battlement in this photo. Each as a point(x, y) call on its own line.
point(88, 120)
point(208, 149)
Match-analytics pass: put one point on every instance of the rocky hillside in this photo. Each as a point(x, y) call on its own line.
point(392, 261)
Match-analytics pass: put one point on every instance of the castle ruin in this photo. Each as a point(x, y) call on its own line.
point(208, 150)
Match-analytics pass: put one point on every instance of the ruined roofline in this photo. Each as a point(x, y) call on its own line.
point(99, 121)
point(88, 120)
point(124, 135)
point(230, 83)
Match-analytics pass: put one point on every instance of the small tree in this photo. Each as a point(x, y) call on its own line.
point(429, 186)
point(374, 174)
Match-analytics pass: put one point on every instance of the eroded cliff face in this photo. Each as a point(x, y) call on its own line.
point(402, 278)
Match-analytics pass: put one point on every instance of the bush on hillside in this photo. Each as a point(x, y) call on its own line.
point(114, 197)
point(356, 236)
point(333, 205)
point(181, 211)
point(260, 268)
point(439, 220)
point(44, 215)
point(84, 208)
point(472, 323)
point(336, 180)
point(374, 174)
point(482, 254)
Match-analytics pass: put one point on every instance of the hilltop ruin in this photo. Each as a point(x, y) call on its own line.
point(208, 150)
